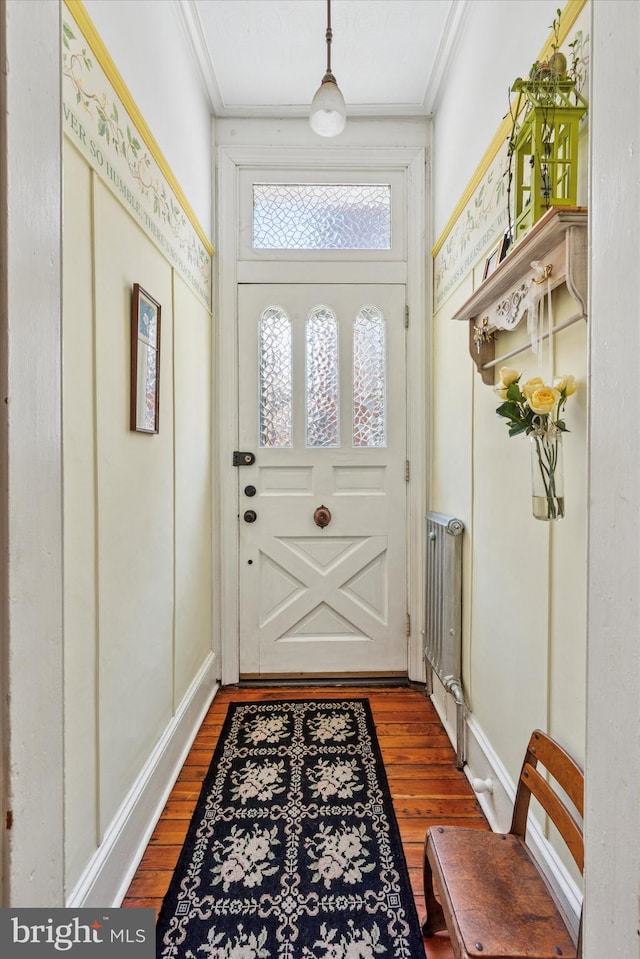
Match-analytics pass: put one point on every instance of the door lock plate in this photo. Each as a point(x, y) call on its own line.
point(243, 458)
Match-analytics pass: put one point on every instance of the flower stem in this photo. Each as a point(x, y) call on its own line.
point(547, 449)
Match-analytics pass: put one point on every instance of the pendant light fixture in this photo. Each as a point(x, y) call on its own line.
point(328, 114)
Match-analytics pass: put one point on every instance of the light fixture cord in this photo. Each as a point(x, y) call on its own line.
point(329, 36)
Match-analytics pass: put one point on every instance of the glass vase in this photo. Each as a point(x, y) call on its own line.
point(547, 475)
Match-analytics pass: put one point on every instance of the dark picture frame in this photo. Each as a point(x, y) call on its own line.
point(145, 362)
point(496, 256)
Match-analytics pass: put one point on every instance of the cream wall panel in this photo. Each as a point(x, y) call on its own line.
point(192, 371)
point(568, 625)
point(527, 643)
point(451, 404)
point(80, 650)
point(135, 516)
point(510, 588)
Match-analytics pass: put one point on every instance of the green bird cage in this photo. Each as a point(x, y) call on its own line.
point(546, 147)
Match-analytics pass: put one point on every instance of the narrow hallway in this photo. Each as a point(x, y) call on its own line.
point(426, 787)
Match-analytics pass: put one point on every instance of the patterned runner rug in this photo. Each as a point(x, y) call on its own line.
point(293, 851)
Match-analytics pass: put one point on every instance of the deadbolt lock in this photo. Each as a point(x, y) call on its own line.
point(241, 458)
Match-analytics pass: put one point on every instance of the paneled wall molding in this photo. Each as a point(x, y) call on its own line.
point(102, 121)
point(109, 872)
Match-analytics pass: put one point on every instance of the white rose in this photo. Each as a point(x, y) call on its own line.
point(565, 384)
point(508, 376)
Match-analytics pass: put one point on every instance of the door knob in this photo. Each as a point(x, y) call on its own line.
point(249, 491)
point(250, 516)
point(322, 517)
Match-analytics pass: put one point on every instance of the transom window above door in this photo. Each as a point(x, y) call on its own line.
point(320, 215)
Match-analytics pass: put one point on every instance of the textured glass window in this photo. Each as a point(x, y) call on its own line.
point(322, 404)
point(276, 395)
point(369, 374)
point(321, 216)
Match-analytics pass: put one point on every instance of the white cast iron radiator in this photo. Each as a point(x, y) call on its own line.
point(443, 619)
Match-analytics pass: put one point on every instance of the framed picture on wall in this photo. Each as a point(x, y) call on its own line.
point(496, 256)
point(145, 361)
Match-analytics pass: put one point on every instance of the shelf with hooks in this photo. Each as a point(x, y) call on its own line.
point(557, 244)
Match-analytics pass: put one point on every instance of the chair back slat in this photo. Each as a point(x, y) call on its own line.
point(561, 766)
point(542, 749)
point(557, 812)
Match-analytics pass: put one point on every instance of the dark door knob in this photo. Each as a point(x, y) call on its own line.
point(249, 491)
point(250, 516)
point(322, 517)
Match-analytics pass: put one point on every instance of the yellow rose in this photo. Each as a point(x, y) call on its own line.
point(565, 384)
point(543, 399)
point(501, 391)
point(531, 386)
point(508, 376)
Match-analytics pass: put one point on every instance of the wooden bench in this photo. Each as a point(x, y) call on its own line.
point(494, 900)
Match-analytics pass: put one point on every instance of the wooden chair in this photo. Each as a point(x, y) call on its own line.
point(494, 901)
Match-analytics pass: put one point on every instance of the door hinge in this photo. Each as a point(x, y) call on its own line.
point(408, 625)
point(406, 471)
point(406, 317)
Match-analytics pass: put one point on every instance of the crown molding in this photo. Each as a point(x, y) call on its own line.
point(187, 13)
point(452, 30)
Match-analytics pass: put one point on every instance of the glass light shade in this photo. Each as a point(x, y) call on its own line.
point(328, 114)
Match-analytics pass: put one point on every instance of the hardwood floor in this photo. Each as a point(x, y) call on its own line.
point(426, 787)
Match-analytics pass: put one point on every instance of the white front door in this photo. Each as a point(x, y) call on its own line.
point(322, 407)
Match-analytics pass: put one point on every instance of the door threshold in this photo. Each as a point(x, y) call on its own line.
point(327, 679)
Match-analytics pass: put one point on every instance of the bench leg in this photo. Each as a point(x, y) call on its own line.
point(434, 921)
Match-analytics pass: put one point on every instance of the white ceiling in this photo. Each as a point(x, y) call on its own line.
point(266, 58)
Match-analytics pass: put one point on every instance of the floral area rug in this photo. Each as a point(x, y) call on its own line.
point(293, 851)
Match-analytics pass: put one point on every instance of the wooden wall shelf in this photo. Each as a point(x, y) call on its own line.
point(558, 241)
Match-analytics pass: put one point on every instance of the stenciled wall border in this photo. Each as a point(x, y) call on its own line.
point(101, 119)
point(481, 217)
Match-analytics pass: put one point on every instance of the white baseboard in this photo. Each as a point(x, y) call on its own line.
point(483, 763)
point(443, 703)
point(109, 872)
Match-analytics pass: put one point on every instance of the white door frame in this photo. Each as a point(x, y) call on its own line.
point(231, 162)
